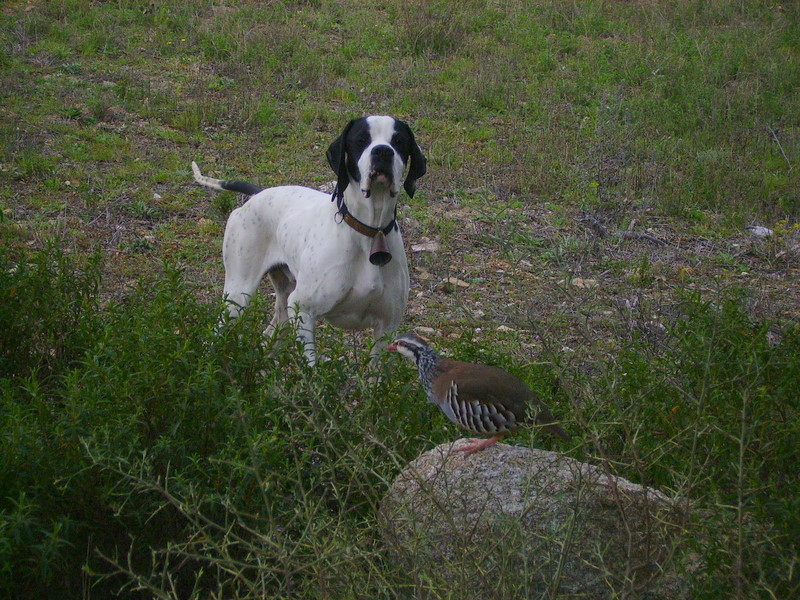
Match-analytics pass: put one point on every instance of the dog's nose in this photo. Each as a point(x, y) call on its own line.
point(383, 153)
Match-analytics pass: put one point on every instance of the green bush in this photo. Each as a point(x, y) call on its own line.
point(714, 416)
point(48, 306)
point(143, 451)
point(155, 420)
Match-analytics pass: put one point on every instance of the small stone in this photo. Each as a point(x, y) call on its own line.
point(426, 246)
point(328, 187)
point(451, 284)
point(759, 231)
point(456, 282)
point(585, 284)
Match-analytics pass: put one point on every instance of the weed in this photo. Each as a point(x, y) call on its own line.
point(141, 209)
point(33, 164)
point(709, 407)
point(224, 203)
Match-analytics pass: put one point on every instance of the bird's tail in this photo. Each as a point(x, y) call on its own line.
point(547, 421)
point(556, 429)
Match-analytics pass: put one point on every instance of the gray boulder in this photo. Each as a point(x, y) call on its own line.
point(513, 522)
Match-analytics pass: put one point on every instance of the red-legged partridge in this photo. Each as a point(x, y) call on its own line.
point(479, 398)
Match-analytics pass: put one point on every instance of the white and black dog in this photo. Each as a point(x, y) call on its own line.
point(339, 258)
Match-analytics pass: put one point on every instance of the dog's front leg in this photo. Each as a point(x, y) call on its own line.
point(380, 341)
point(378, 346)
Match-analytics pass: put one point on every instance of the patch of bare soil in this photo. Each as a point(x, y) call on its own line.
point(586, 287)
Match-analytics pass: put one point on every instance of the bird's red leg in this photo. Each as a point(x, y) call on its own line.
point(477, 445)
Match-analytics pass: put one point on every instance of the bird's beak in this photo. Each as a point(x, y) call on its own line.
point(392, 347)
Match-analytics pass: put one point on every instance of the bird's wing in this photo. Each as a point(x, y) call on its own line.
point(483, 399)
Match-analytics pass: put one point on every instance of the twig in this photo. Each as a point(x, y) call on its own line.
point(593, 222)
point(780, 147)
point(602, 231)
point(638, 235)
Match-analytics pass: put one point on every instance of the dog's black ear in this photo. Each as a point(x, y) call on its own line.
point(338, 161)
point(419, 165)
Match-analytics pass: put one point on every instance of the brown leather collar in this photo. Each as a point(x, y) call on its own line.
point(360, 227)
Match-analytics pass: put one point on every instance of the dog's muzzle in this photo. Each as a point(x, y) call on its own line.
point(381, 169)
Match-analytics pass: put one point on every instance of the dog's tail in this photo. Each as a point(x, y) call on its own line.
point(242, 187)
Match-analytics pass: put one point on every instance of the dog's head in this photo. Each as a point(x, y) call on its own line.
point(374, 152)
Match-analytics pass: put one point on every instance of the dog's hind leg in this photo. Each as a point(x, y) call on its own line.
point(238, 295)
point(241, 282)
point(243, 254)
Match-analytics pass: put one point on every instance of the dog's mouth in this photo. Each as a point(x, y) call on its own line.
point(381, 179)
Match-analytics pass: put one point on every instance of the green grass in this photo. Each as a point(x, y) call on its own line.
point(690, 106)
point(137, 443)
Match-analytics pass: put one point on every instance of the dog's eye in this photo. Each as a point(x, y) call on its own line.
point(400, 142)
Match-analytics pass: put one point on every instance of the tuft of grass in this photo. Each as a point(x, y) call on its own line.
point(224, 203)
point(434, 27)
